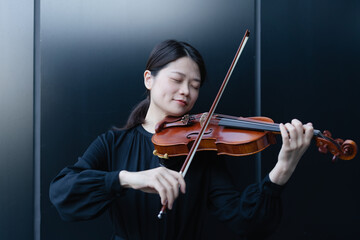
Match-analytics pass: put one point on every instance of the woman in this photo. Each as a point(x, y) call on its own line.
point(118, 170)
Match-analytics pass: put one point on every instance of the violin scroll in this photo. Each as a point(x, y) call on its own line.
point(345, 150)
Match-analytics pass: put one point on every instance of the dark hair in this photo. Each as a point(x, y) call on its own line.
point(162, 54)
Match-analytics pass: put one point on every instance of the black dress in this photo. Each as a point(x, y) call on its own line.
point(91, 186)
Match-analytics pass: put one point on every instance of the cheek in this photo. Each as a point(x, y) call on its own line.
point(195, 93)
point(164, 86)
point(162, 89)
point(194, 96)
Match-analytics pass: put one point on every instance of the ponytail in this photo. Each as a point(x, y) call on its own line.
point(138, 114)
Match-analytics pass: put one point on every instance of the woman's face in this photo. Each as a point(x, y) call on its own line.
point(175, 89)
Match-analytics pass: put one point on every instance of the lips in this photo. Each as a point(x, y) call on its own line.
point(182, 102)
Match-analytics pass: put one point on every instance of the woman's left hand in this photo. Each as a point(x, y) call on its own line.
point(296, 139)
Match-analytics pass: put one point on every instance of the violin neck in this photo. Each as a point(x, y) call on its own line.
point(254, 125)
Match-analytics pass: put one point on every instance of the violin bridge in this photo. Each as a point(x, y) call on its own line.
point(203, 118)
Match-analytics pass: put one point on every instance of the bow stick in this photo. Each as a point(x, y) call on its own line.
point(195, 146)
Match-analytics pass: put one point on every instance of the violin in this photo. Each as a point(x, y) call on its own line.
point(234, 136)
point(229, 135)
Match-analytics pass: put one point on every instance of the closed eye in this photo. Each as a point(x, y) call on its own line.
point(196, 85)
point(176, 80)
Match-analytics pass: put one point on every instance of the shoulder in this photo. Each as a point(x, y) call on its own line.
point(120, 136)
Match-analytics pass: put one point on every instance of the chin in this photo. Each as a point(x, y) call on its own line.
point(177, 114)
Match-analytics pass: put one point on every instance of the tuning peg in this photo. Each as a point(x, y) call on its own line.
point(327, 133)
point(335, 158)
point(339, 141)
point(323, 148)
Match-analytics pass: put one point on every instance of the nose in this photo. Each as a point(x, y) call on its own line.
point(184, 88)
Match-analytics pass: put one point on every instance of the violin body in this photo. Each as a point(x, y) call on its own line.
point(175, 137)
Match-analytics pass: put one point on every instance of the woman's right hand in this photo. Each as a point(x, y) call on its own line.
point(159, 180)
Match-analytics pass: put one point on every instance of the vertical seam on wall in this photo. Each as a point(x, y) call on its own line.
point(37, 121)
point(258, 78)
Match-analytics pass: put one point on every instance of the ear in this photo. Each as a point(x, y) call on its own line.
point(148, 80)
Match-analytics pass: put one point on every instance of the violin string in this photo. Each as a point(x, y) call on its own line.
point(274, 127)
point(249, 124)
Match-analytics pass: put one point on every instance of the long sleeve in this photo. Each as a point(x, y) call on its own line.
point(83, 191)
point(254, 213)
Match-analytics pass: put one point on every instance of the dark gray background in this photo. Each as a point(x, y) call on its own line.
point(70, 70)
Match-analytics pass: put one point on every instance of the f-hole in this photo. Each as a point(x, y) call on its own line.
point(197, 133)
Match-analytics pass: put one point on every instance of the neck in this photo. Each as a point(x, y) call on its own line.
point(152, 118)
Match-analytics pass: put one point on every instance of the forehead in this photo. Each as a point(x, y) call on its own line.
point(184, 66)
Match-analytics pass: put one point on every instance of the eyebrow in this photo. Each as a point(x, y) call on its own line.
point(182, 74)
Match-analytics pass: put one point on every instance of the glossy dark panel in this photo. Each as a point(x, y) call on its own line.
point(311, 72)
point(16, 119)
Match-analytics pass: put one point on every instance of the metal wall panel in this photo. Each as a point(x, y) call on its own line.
point(311, 72)
point(16, 119)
